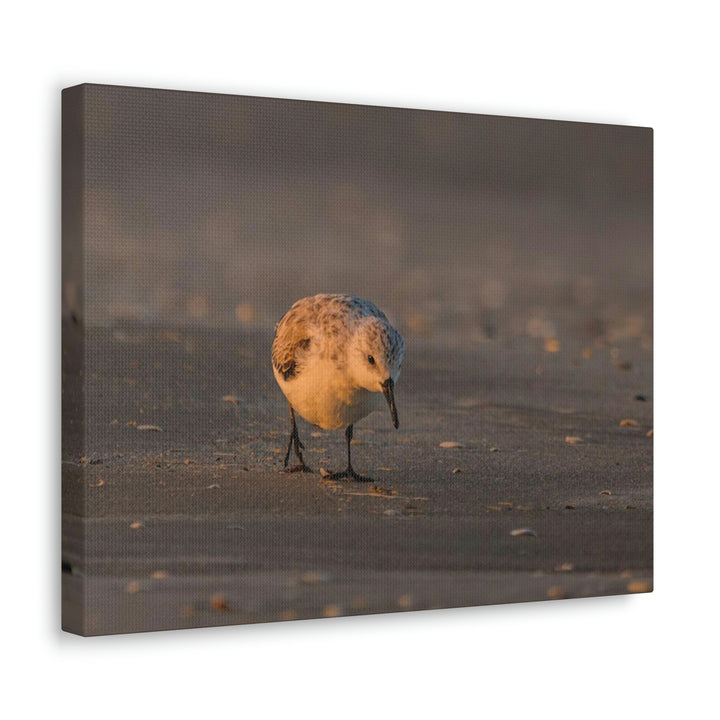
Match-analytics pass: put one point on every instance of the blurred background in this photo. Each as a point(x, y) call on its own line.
point(219, 211)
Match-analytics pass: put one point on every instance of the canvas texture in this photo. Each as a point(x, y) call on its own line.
point(497, 270)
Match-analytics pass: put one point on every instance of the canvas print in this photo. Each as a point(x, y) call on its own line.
point(324, 360)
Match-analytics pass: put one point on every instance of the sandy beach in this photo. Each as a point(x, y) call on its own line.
point(188, 521)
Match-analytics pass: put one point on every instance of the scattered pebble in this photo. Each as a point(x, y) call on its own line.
point(556, 592)
point(214, 486)
point(99, 483)
point(569, 507)
point(455, 471)
point(518, 532)
point(494, 449)
point(316, 434)
point(159, 574)
point(628, 423)
point(313, 577)
point(188, 461)
point(136, 525)
point(574, 440)
point(638, 586)
point(392, 513)
point(565, 567)
point(649, 433)
point(170, 336)
point(468, 402)
point(134, 586)
point(152, 428)
point(330, 611)
point(605, 492)
point(624, 366)
point(450, 444)
point(641, 398)
point(587, 353)
point(218, 603)
point(405, 601)
point(360, 603)
point(552, 345)
point(324, 472)
point(289, 615)
point(230, 399)
point(245, 313)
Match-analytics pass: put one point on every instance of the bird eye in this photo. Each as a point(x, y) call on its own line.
point(371, 359)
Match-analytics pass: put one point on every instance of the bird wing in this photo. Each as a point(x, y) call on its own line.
point(292, 341)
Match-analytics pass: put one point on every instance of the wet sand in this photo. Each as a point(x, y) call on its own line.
point(189, 522)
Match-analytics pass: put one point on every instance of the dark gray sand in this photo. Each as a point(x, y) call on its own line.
point(189, 521)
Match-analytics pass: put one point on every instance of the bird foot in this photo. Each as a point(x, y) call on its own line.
point(350, 475)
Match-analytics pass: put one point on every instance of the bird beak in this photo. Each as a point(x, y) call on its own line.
point(387, 389)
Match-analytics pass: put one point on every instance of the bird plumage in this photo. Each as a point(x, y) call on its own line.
point(335, 357)
point(318, 343)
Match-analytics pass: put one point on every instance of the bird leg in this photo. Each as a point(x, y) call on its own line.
point(295, 443)
point(349, 474)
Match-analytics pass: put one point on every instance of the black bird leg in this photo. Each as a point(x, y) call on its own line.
point(295, 443)
point(349, 474)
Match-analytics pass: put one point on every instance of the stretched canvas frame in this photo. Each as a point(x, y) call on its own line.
point(514, 255)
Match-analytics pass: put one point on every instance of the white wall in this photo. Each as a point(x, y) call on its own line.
point(614, 62)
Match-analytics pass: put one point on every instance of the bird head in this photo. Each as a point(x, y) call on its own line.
point(375, 359)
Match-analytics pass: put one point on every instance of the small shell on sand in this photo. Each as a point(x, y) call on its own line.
point(219, 603)
point(518, 532)
point(552, 345)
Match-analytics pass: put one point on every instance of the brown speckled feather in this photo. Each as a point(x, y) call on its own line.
point(334, 357)
point(291, 342)
point(324, 318)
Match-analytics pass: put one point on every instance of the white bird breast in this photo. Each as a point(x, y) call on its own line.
point(328, 400)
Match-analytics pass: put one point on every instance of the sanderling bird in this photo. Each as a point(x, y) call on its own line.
point(335, 357)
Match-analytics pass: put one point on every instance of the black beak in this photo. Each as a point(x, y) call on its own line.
point(387, 388)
